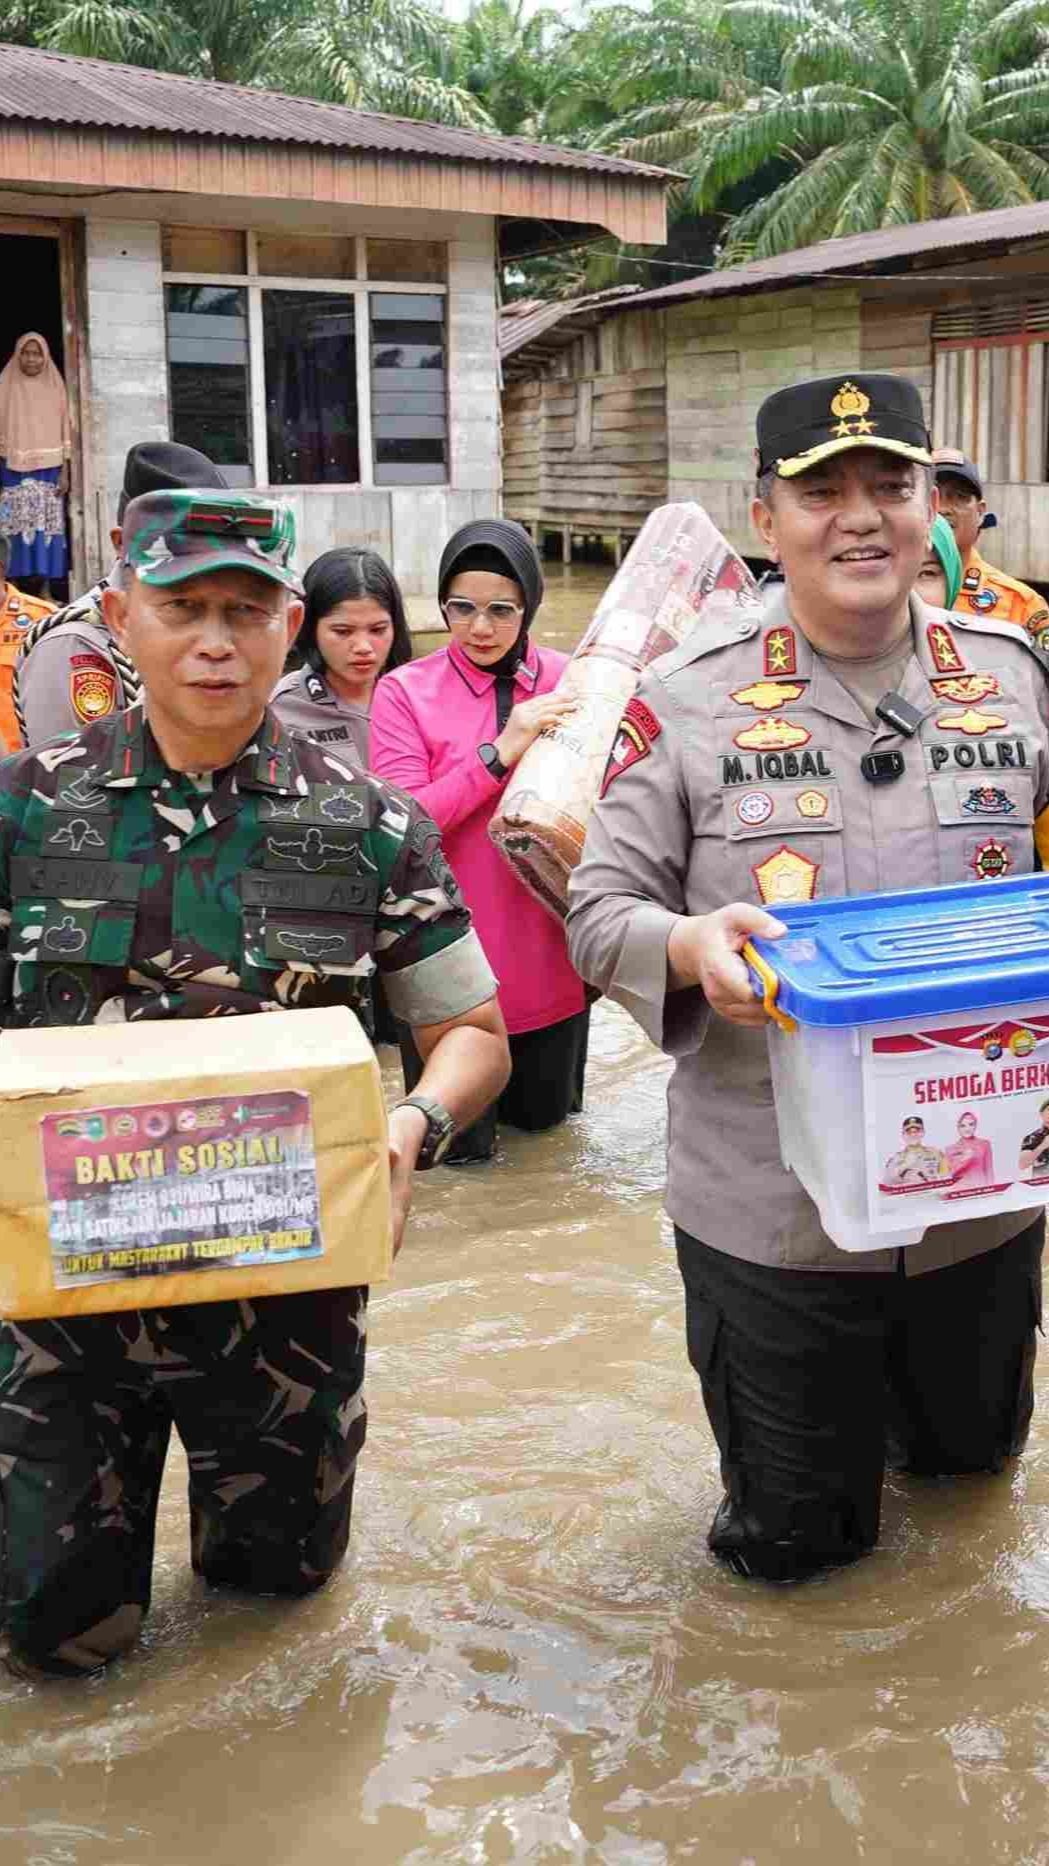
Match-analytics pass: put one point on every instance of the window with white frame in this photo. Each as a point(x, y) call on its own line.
point(301, 360)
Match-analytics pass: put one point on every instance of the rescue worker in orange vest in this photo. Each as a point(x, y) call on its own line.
point(18, 612)
point(985, 591)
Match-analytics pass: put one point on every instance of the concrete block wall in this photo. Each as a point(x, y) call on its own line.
point(723, 359)
point(129, 392)
point(473, 360)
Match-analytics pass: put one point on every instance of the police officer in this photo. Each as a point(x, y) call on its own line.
point(69, 671)
point(985, 590)
point(182, 802)
point(18, 614)
point(847, 738)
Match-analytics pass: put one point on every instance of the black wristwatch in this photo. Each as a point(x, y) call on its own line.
point(440, 1130)
point(492, 762)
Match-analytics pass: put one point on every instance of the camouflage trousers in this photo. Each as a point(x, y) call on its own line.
point(267, 1399)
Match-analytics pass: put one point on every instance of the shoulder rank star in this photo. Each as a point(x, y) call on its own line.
point(945, 656)
point(780, 652)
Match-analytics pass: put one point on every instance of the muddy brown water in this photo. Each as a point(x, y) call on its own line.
point(529, 1656)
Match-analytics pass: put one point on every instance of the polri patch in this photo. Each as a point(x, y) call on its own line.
point(771, 735)
point(766, 696)
point(779, 652)
point(943, 649)
point(988, 800)
point(972, 722)
point(813, 804)
point(967, 689)
point(786, 875)
point(92, 687)
point(638, 730)
point(754, 808)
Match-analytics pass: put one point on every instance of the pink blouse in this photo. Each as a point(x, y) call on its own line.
point(427, 720)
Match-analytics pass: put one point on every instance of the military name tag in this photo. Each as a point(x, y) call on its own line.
point(324, 894)
point(71, 878)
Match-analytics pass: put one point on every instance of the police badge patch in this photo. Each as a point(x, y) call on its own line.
point(638, 730)
point(92, 687)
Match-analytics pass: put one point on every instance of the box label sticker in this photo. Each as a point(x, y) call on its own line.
point(223, 1182)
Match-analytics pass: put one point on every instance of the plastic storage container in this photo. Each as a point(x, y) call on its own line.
point(910, 1055)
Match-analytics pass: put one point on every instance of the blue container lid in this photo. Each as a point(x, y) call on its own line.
point(871, 958)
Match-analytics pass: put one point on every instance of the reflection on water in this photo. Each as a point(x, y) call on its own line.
point(529, 1656)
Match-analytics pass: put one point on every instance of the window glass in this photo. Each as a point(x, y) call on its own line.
point(409, 389)
point(305, 256)
point(204, 249)
point(411, 262)
point(311, 388)
point(208, 369)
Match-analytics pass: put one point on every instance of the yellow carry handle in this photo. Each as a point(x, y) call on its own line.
point(770, 986)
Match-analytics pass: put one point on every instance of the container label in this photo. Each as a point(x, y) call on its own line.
point(957, 1120)
point(221, 1183)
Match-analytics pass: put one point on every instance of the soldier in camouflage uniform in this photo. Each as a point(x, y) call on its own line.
point(194, 859)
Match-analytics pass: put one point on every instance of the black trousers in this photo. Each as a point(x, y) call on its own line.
point(545, 1086)
point(814, 1380)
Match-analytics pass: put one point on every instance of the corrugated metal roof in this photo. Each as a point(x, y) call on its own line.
point(524, 320)
point(49, 87)
point(861, 252)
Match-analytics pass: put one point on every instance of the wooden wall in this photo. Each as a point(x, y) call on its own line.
point(585, 446)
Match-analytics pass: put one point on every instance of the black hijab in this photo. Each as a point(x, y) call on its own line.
point(504, 549)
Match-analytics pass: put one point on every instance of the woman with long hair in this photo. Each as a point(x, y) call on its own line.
point(354, 630)
point(449, 729)
point(35, 450)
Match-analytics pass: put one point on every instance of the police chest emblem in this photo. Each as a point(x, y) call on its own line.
point(973, 723)
point(991, 860)
point(942, 648)
point(966, 689)
point(785, 876)
point(771, 735)
point(983, 600)
point(779, 652)
point(765, 696)
point(754, 808)
point(812, 803)
point(988, 800)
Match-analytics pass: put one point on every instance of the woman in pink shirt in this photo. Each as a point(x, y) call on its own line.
point(449, 729)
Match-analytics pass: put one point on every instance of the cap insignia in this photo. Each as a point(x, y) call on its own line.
point(851, 405)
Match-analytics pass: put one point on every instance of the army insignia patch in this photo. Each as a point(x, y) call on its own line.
point(967, 688)
point(81, 794)
point(983, 600)
point(311, 945)
point(786, 876)
point(812, 803)
point(343, 806)
point(77, 834)
point(945, 656)
point(765, 696)
point(990, 861)
point(92, 687)
point(974, 724)
point(66, 938)
point(988, 800)
point(754, 808)
point(850, 405)
point(771, 735)
point(779, 652)
point(638, 729)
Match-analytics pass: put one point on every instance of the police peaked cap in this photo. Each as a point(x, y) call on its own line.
point(158, 466)
point(813, 421)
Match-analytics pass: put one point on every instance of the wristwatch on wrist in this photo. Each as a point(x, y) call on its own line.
point(440, 1130)
point(492, 762)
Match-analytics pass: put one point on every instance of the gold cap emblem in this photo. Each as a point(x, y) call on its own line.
point(850, 404)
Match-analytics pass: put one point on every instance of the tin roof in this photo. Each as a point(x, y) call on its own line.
point(51, 88)
point(549, 324)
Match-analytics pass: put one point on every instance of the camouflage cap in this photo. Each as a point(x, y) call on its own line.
point(169, 536)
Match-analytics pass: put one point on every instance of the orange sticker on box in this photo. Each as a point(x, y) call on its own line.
point(771, 735)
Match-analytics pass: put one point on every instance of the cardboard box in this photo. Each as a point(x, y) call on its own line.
point(150, 1164)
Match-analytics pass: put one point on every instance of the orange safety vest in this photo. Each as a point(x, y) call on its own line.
point(17, 613)
point(988, 592)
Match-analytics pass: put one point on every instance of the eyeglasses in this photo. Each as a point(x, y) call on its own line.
point(461, 609)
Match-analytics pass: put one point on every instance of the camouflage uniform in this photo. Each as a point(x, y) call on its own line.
point(129, 891)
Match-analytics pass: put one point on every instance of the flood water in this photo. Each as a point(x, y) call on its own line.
point(529, 1655)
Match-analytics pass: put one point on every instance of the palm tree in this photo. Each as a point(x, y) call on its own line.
point(506, 57)
point(887, 112)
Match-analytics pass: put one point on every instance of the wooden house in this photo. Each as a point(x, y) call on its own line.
point(305, 292)
point(617, 402)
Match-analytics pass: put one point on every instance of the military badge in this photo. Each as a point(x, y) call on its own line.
point(754, 808)
point(812, 803)
point(765, 696)
point(638, 729)
point(945, 656)
point(990, 860)
point(850, 405)
point(779, 652)
point(988, 800)
point(967, 688)
point(973, 723)
point(786, 876)
point(771, 735)
point(92, 687)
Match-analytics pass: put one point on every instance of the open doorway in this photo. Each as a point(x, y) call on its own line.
point(31, 263)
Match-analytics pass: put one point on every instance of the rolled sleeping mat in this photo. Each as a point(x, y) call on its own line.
point(678, 575)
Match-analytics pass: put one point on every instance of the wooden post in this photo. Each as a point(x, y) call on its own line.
point(566, 544)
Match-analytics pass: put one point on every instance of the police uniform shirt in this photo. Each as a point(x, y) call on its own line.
point(130, 891)
point(987, 591)
point(305, 701)
point(70, 672)
point(736, 776)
